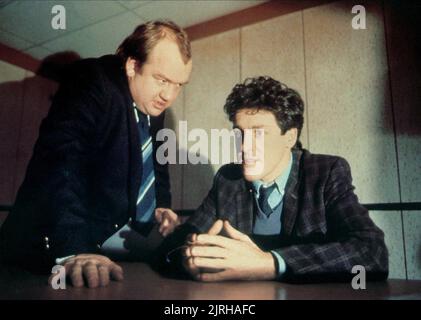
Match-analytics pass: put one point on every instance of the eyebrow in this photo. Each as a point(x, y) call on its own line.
point(169, 80)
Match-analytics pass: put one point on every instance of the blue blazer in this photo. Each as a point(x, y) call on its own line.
point(84, 176)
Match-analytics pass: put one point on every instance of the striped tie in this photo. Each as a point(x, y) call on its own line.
point(146, 200)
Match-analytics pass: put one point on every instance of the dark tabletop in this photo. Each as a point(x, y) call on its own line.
point(141, 282)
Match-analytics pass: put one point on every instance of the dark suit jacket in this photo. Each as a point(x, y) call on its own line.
point(325, 231)
point(84, 176)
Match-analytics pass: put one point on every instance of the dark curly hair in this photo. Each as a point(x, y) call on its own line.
point(265, 93)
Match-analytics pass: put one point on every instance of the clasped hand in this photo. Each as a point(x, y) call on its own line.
point(213, 257)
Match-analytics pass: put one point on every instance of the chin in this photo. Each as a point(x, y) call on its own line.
point(249, 176)
point(158, 111)
point(154, 112)
point(254, 172)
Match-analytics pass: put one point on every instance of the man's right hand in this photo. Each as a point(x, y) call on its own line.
point(188, 262)
point(93, 270)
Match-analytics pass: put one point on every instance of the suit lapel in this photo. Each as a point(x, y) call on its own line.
point(244, 210)
point(135, 155)
point(290, 205)
point(135, 174)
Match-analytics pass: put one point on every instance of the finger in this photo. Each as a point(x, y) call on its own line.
point(75, 273)
point(206, 252)
point(165, 222)
point(167, 231)
point(77, 258)
point(234, 233)
point(211, 240)
point(190, 267)
point(104, 275)
point(158, 214)
point(209, 263)
point(173, 219)
point(116, 272)
point(163, 226)
point(69, 260)
point(90, 271)
point(215, 276)
point(216, 227)
point(191, 238)
point(171, 215)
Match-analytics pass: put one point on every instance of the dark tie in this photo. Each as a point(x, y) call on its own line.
point(264, 194)
point(146, 200)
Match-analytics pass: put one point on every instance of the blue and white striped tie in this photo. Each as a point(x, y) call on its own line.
point(146, 199)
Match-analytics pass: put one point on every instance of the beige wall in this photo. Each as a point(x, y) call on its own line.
point(11, 80)
point(24, 103)
point(361, 103)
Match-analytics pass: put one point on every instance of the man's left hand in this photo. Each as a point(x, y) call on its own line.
point(235, 257)
point(168, 220)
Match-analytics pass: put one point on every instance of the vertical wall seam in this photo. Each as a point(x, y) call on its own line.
point(305, 82)
point(392, 107)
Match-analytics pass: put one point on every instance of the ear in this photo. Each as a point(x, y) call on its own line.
point(291, 136)
point(130, 67)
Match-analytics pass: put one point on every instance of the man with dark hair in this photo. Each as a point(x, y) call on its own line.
point(296, 218)
point(93, 188)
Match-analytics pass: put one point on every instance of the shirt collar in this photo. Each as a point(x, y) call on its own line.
point(139, 113)
point(280, 182)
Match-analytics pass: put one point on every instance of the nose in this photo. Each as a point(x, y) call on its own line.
point(253, 142)
point(248, 141)
point(167, 93)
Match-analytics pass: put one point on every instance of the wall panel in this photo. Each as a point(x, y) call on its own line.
point(349, 105)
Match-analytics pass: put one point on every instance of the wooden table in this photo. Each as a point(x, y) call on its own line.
point(143, 283)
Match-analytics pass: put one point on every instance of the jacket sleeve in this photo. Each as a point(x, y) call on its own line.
point(353, 238)
point(56, 190)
